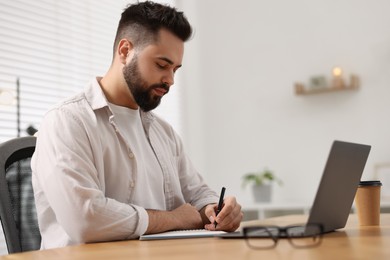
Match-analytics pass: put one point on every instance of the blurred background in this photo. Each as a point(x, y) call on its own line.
point(241, 112)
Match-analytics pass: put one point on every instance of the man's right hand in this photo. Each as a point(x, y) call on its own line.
point(187, 217)
point(183, 217)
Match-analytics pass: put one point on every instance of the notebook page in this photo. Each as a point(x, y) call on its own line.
point(176, 234)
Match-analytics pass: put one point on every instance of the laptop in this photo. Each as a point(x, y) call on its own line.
point(338, 185)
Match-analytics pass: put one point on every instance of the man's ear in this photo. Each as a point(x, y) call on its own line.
point(125, 49)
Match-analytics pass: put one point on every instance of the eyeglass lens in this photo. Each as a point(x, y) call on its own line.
point(267, 237)
point(262, 237)
point(305, 236)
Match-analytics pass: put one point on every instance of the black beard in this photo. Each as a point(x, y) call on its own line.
point(139, 88)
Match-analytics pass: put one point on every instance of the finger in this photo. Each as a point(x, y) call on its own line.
point(210, 212)
point(231, 220)
point(235, 224)
point(211, 227)
point(229, 204)
point(230, 224)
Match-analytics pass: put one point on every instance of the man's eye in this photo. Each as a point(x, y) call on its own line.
point(161, 66)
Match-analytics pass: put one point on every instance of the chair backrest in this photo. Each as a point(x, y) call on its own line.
point(17, 204)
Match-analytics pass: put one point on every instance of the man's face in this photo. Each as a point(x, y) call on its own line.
point(139, 88)
point(150, 72)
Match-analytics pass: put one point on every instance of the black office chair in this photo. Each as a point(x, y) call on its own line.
point(17, 204)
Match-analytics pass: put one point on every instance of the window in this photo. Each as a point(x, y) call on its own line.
point(54, 48)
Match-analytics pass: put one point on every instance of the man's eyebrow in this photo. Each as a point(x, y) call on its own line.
point(169, 61)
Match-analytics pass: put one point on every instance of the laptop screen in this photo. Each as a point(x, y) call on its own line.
point(338, 185)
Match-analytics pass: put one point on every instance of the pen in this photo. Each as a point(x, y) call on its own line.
point(220, 203)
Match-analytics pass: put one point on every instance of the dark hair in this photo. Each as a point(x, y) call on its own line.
point(142, 22)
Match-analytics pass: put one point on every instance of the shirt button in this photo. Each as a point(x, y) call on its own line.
point(131, 155)
point(132, 184)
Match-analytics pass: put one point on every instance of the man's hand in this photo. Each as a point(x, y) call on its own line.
point(187, 217)
point(183, 217)
point(228, 219)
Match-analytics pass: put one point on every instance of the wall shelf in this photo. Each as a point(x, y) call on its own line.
point(318, 85)
point(302, 91)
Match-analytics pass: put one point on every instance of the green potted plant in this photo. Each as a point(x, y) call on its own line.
point(261, 184)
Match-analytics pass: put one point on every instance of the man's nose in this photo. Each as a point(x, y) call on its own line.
point(169, 78)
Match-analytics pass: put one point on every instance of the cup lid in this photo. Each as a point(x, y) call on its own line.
point(370, 183)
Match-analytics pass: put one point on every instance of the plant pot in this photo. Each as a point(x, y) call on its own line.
point(262, 193)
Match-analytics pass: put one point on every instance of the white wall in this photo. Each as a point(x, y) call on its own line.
point(239, 70)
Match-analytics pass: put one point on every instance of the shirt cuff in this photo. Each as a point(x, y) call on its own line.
point(143, 221)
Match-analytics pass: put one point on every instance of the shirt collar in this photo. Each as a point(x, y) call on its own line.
point(94, 94)
point(97, 100)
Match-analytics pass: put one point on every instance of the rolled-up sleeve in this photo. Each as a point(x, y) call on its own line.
point(70, 187)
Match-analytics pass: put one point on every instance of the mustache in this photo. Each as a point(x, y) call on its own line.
point(162, 85)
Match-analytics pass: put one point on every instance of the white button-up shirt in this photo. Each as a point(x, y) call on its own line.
point(85, 173)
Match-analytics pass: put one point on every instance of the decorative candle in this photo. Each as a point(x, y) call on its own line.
point(337, 77)
point(337, 71)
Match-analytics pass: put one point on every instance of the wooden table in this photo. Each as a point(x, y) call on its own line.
point(352, 242)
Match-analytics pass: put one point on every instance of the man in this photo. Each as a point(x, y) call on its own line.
point(105, 167)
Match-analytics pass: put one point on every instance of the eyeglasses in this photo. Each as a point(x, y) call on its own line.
point(266, 237)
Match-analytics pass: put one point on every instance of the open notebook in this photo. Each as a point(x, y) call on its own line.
point(182, 234)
